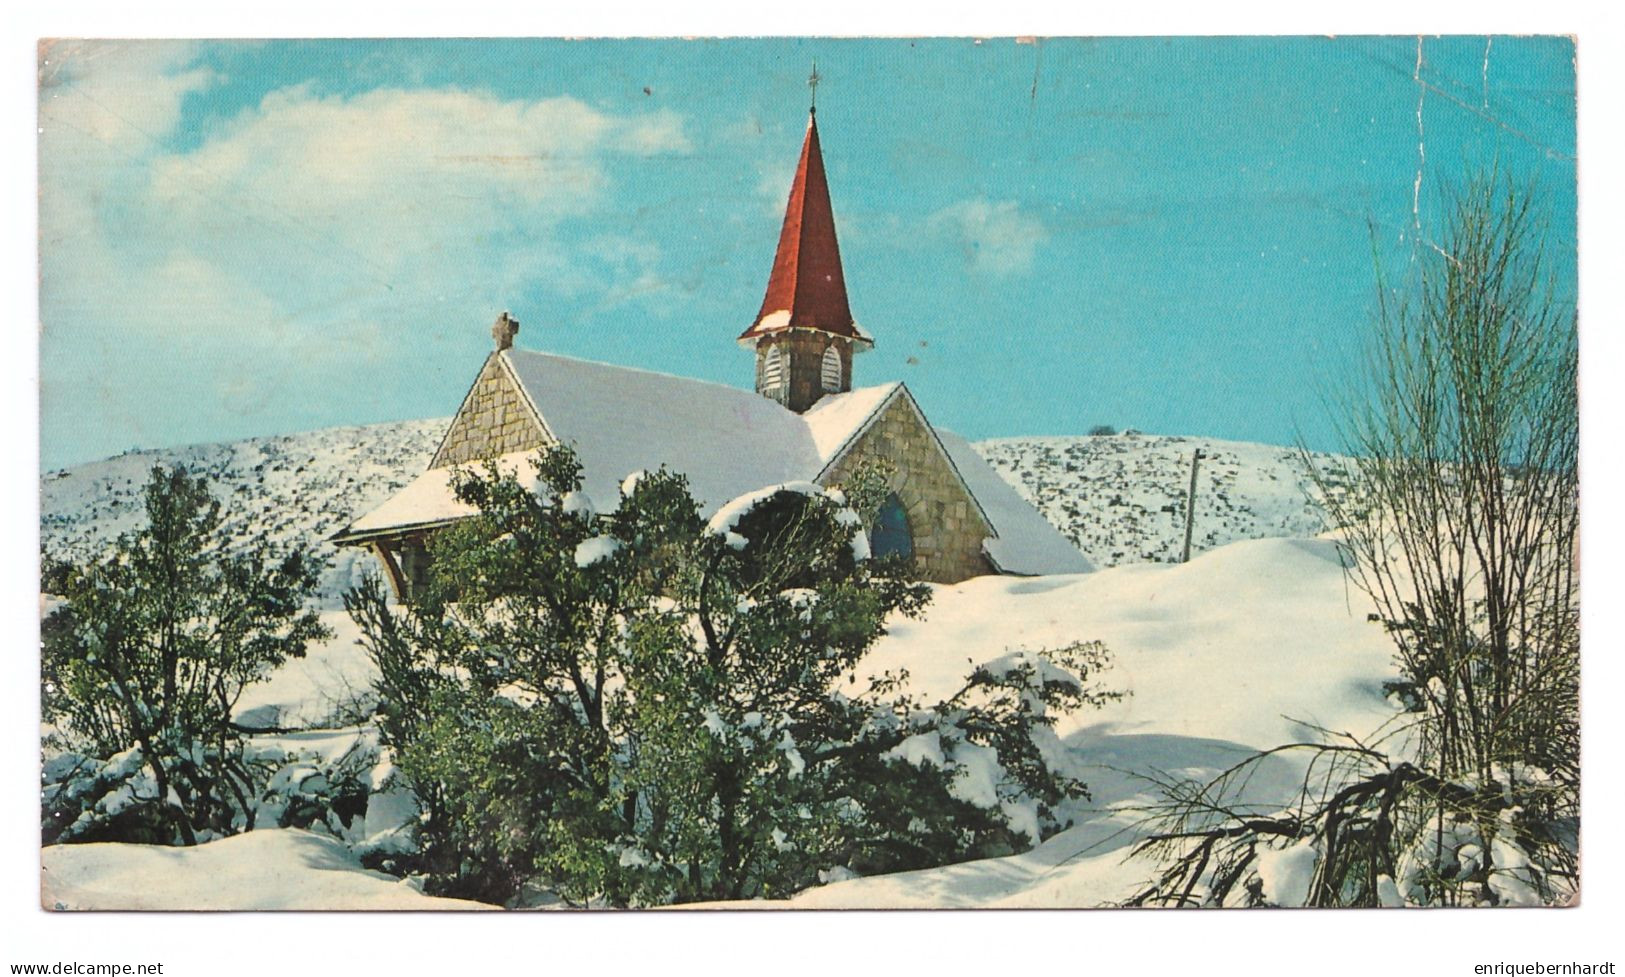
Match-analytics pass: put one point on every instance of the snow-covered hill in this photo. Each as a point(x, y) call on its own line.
point(298, 489)
point(1119, 498)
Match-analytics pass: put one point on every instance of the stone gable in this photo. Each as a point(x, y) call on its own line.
point(944, 520)
point(495, 419)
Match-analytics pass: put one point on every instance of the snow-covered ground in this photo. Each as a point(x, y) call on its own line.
point(1226, 654)
point(271, 869)
point(330, 686)
point(1223, 655)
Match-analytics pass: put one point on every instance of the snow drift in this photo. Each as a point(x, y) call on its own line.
point(267, 869)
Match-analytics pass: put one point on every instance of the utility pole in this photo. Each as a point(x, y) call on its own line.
point(1190, 507)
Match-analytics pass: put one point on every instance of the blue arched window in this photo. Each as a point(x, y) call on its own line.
point(891, 535)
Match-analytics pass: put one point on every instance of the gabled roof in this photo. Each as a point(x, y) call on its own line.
point(807, 289)
point(428, 501)
point(619, 420)
point(836, 418)
point(725, 440)
point(1027, 544)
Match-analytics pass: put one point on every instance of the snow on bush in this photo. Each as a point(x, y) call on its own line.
point(684, 722)
point(919, 750)
point(1285, 873)
point(1401, 837)
point(727, 518)
point(1029, 665)
point(337, 783)
point(596, 550)
point(578, 504)
point(88, 799)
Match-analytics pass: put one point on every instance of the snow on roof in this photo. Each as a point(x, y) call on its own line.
point(838, 418)
point(726, 441)
point(1027, 544)
point(429, 500)
point(620, 420)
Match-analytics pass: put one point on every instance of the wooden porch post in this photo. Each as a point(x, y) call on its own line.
point(397, 580)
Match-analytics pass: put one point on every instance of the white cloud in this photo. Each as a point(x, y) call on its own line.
point(308, 224)
point(122, 93)
point(448, 187)
point(434, 194)
point(102, 108)
point(996, 237)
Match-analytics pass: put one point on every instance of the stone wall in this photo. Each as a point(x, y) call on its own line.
point(494, 420)
point(943, 519)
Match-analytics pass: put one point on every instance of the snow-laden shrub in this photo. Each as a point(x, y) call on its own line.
point(118, 798)
point(352, 793)
point(1366, 831)
point(84, 798)
point(148, 648)
point(638, 707)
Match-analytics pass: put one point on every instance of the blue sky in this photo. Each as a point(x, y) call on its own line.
point(1170, 234)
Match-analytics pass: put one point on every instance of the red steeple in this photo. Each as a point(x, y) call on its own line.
point(807, 289)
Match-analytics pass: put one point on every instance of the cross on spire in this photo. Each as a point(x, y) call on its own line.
point(812, 84)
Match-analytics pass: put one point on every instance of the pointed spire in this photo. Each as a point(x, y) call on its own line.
point(807, 289)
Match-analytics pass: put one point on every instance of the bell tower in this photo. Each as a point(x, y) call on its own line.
point(804, 336)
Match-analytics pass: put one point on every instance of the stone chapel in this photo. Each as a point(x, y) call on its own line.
point(803, 421)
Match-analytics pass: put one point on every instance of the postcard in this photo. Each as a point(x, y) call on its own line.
point(809, 473)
